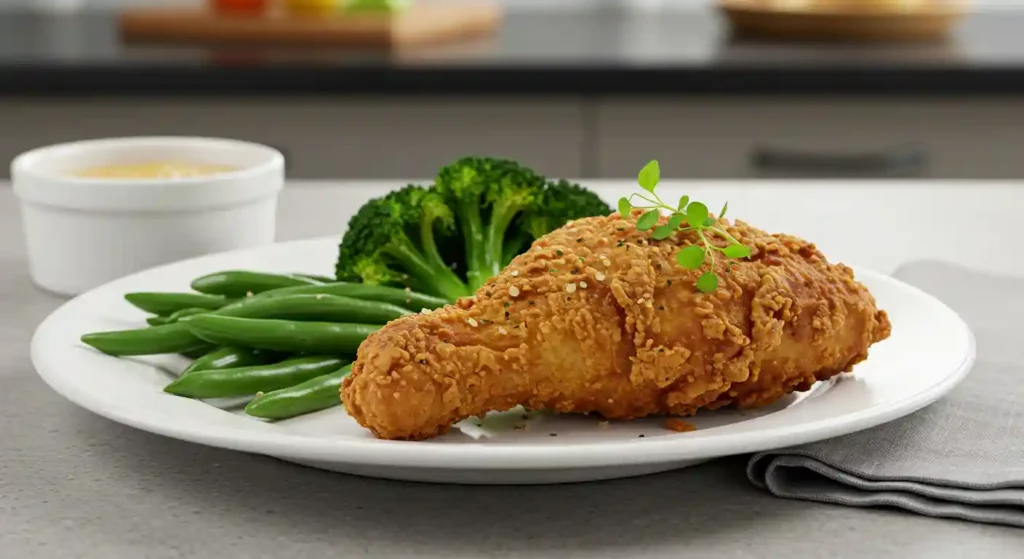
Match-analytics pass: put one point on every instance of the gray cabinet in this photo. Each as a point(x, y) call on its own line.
point(694, 137)
point(833, 137)
point(324, 138)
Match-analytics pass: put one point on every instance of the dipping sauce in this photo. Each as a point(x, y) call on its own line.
point(154, 170)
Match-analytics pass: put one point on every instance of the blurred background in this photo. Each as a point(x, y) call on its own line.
point(576, 88)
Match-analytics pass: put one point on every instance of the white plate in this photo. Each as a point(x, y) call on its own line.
point(930, 350)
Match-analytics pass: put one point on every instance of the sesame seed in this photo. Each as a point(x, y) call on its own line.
point(472, 321)
point(599, 276)
point(501, 330)
point(583, 284)
point(515, 273)
point(571, 288)
point(513, 291)
point(611, 401)
point(640, 301)
point(248, 293)
point(260, 393)
point(606, 262)
point(408, 290)
point(425, 311)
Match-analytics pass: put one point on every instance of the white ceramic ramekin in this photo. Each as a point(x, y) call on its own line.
point(83, 232)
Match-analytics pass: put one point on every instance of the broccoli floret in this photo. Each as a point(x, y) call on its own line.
point(560, 202)
point(391, 241)
point(563, 201)
point(487, 195)
point(412, 237)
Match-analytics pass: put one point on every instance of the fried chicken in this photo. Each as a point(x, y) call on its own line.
point(598, 317)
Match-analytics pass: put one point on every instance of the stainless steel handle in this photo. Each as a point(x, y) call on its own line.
point(906, 160)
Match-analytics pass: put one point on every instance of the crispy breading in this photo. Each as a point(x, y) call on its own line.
point(597, 317)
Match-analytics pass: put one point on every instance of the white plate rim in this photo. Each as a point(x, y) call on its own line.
point(663, 449)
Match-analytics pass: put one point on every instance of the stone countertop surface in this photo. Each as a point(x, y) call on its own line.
point(73, 484)
point(599, 50)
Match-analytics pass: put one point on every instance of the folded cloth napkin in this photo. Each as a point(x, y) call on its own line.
point(961, 457)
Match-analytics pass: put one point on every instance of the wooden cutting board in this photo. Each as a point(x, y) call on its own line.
point(845, 20)
point(420, 23)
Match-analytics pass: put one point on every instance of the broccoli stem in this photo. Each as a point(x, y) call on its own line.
point(478, 269)
point(435, 281)
point(434, 255)
point(514, 246)
point(501, 216)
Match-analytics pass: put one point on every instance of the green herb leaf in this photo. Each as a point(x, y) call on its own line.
point(648, 220)
point(691, 257)
point(676, 220)
point(709, 222)
point(649, 176)
point(624, 207)
point(736, 251)
point(696, 214)
point(663, 232)
point(683, 202)
point(707, 282)
point(721, 214)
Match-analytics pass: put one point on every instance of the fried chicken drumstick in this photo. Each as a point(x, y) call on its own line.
point(598, 317)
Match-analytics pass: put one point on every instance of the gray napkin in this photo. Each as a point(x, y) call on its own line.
point(961, 457)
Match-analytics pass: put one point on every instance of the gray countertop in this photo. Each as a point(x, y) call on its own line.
point(589, 49)
point(73, 484)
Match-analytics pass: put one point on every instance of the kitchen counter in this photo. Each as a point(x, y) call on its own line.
point(73, 484)
point(574, 51)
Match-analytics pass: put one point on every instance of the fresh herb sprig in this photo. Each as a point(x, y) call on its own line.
point(686, 216)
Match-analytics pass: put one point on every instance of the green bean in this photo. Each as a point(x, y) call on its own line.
point(169, 338)
point(167, 303)
point(279, 335)
point(174, 338)
point(231, 357)
point(239, 283)
point(401, 297)
point(314, 277)
point(328, 308)
point(197, 353)
point(313, 395)
point(175, 316)
point(225, 383)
